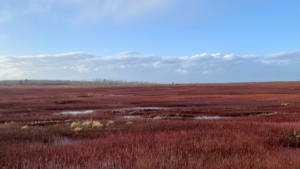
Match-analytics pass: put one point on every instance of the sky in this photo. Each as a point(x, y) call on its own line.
point(163, 41)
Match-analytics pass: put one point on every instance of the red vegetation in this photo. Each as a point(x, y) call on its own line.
point(86, 95)
point(262, 131)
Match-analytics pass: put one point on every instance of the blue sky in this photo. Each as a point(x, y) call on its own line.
point(159, 40)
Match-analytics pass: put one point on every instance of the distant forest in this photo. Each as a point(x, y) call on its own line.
point(69, 82)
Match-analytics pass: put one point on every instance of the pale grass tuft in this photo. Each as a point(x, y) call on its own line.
point(86, 124)
point(78, 129)
point(97, 124)
point(110, 123)
point(78, 126)
point(157, 118)
point(74, 125)
point(129, 122)
point(24, 127)
point(298, 138)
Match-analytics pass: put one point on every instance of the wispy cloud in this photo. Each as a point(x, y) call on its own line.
point(3, 38)
point(128, 53)
point(82, 9)
point(117, 9)
point(201, 67)
point(5, 15)
point(182, 71)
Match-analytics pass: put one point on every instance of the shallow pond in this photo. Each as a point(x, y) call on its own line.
point(77, 112)
point(145, 108)
point(130, 117)
point(210, 117)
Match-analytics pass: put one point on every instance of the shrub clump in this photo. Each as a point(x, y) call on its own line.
point(97, 124)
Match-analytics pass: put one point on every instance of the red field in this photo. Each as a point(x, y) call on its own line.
point(253, 125)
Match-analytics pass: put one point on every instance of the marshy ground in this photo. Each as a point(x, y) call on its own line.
point(238, 125)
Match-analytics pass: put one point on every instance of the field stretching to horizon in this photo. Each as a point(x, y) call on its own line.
point(233, 125)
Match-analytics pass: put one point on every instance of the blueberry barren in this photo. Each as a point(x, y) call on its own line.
point(261, 128)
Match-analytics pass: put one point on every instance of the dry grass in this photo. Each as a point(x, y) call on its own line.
point(74, 125)
point(298, 138)
point(24, 127)
point(110, 123)
point(284, 104)
point(86, 124)
point(78, 129)
point(97, 124)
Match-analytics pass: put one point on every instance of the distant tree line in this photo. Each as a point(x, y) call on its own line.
point(69, 82)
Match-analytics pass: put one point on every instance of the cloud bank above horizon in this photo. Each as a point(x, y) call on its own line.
point(132, 66)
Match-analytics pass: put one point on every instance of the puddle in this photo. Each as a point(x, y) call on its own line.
point(210, 117)
point(77, 112)
point(130, 117)
point(171, 116)
point(145, 108)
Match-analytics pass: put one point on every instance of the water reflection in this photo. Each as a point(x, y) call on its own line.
point(77, 112)
point(210, 117)
point(130, 117)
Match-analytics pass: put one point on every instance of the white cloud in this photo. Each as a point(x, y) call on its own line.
point(80, 68)
point(274, 55)
point(276, 58)
point(217, 55)
point(228, 57)
point(11, 73)
point(80, 65)
point(204, 55)
point(182, 71)
point(270, 61)
point(156, 64)
point(128, 53)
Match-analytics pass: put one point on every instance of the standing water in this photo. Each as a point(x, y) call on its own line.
point(209, 117)
point(77, 112)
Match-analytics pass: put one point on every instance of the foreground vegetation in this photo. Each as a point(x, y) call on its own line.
point(261, 128)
